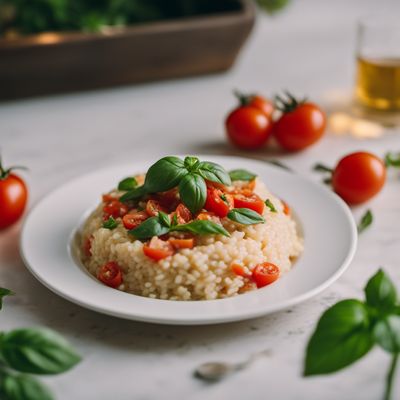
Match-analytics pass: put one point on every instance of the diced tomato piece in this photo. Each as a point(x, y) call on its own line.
point(87, 246)
point(182, 213)
point(108, 197)
point(286, 208)
point(115, 209)
point(218, 202)
point(153, 207)
point(134, 219)
point(158, 249)
point(169, 199)
point(182, 243)
point(264, 274)
point(208, 216)
point(110, 274)
point(253, 202)
point(239, 270)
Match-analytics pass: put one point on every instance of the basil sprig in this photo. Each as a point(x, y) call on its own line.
point(4, 292)
point(162, 224)
point(350, 329)
point(245, 216)
point(270, 205)
point(111, 223)
point(188, 174)
point(242, 175)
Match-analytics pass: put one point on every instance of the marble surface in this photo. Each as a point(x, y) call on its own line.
point(309, 49)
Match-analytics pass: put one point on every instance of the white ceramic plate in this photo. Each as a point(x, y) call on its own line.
point(330, 238)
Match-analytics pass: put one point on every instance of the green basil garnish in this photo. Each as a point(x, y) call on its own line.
point(191, 163)
point(392, 160)
point(149, 228)
point(245, 216)
point(127, 184)
point(242, 175)
point(111, 223)
point(193, 192)
point(365, 222)
point(270, 205)
point(134, 194)
point(380, 292)
point(214, 173)
point(23, 387)
point(4, 292)
point(202, 227)
point(164, 218)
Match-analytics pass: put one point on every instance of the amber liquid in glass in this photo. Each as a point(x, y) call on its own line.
point(378, 82)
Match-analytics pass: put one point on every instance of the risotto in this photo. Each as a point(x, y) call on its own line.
point(189, 230)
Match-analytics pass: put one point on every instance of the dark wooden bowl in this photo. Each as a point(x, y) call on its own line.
point(58, 62)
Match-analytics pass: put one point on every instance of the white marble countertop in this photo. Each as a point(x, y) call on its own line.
point(309, 48)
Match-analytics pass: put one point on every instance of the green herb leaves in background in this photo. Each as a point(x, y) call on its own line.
point(270, 205)
point(241, 175)
point(365, 222)
point(245, 216)
point(189, 175)
point(350, 328)
point(4, 292)
point(31, 351)
point(392, 160)
point(127, 184)
point(111, 223)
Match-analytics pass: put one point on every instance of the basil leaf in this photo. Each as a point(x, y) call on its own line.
point(380, 292)
point(149, 228)
point(201, 227)
point(4, 292)
point(245, 216)
point(165, 174)
point(241, 175)
point(392, 159)
point(193, 192)
point(387, 333)
point(191, 163)
point(365, 222)
point(342, 337)
point(127, 184)
point(270, 205)
point(37, 351)
point(214, 173)
point(111, 223)
point(164, 218)
point(23, 387)
point(134, 194)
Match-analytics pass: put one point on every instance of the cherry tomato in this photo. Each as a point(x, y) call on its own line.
point(13, 197)
point(153, 207)
point(358, 177)
point(169, 200)
point(263, 104)
point(158, 249)
point(264, 274)
point(182, 213)
point(87, 246)
point(182, 243)
point(218, 202)
point(300, 127)
point(115, 209)
point(134, 219)
point(110, 274)
point(248, 127)
point(253, 201)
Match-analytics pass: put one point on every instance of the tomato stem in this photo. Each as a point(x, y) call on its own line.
point(244, 99)
point(289, 104)
point(322, 168)
point(4, 173)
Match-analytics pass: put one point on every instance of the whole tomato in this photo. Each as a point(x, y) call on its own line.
point(249, 125)
point(13, 197)
point(358, 177)
point(301, 124)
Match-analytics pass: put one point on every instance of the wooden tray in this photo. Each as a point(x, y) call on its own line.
point(59, 62)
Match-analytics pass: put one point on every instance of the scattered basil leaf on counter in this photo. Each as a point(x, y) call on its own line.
point(365, 221)
point(392, 160)
point(4, 292)
point(245, 216)
point(350, 328)
point(111, 223)
point(164, 218)
point(126, 184)
point(214, 172)
point(270, 205)
point(23, 387)
point(149, 228)
point(242, 175)
point(202, 227)
point(193, 192)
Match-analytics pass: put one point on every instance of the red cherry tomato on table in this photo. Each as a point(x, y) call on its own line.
point(256, 101)
point(264, 274)
point(13, 197)
point(301, 124)
point(358, 177)
point(110, 274)
point(248, 128)
point(158, 249)
point(218, 202)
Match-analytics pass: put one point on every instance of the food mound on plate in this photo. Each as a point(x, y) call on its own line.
point(189, 230)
